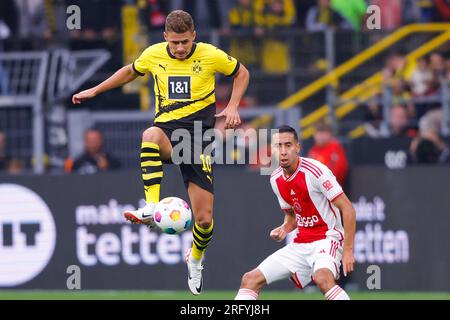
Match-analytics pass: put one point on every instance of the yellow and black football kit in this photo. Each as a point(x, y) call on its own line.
point(184, 94)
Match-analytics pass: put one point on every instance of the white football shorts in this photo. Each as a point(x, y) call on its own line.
point(299, 261)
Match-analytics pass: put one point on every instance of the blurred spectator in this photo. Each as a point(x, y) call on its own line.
point(100, 20)
point(353, 11)
point(443, 9)
point(428, 147)
point(395, 75)
point(95, 158)
point(399, 122)
point(396, 68)
point(390, 14)
point(302, 7)
point(153, 13)
point(401, 96)
point(437, 66)
point(236, 143)
point(7, 163)
point(4, 157)
point(223, 95)
point(329, 151)
point(100, 28)
point(16, 166)
point(322, 16)
point(243, 45)
point(447, 68)
point(31, 19)
point(274, 13)
point(272, 16)
point(242, 15)
point(26, 21)
point(426, 151)
point(8, 19)
point(411, 12)
point(56, 16)
point(4, 81)
point(206, 14)
point(426, 8)
point(425, 80)
point(421, 78)
point(373, 118)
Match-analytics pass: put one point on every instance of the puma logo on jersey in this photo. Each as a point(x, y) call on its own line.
point(164, 67)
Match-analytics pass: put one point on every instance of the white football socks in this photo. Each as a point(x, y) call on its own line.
point(336, 293)
point(246, 294)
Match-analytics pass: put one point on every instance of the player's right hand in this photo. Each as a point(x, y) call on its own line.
point(83, 95)
point(232, 118)
point(278, 234)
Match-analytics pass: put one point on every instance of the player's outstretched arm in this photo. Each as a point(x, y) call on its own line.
point(119, 78)
point(344, 204)
point(240, 84)
point(289, 224)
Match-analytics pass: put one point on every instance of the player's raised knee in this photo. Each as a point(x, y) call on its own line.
point(152, 134)
point(324, 279)
point(204, 218)
point(248, 280)
point(252, 279)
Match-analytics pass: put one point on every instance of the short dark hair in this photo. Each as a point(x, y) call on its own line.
point(289, 129)
point(179, 21)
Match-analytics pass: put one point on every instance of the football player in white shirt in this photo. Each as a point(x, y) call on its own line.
point(313, 202)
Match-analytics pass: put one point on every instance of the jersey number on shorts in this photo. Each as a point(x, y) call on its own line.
point(179, 87)
point(207, 167)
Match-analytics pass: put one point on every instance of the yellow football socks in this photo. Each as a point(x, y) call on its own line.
point(152, 171)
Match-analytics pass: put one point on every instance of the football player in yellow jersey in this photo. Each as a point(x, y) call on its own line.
point(184, 77)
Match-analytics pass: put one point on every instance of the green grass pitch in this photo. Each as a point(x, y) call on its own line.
point(207, 295)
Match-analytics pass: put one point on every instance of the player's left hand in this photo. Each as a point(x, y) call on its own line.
point(348, 260)
point(278, 234)
point(232, 119)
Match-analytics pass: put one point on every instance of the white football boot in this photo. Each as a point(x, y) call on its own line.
point(142, 215)
point(195, 280)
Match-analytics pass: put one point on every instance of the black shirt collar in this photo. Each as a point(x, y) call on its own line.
point(194, 46)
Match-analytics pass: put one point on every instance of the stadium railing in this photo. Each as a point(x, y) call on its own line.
point(368, 88)
point(31, 85)
point(22, 78)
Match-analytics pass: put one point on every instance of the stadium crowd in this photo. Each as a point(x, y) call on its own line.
point(45, 19)
point(416, 111)
point(255, 30)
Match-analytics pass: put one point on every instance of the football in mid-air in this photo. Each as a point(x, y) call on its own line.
point(173, 215)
